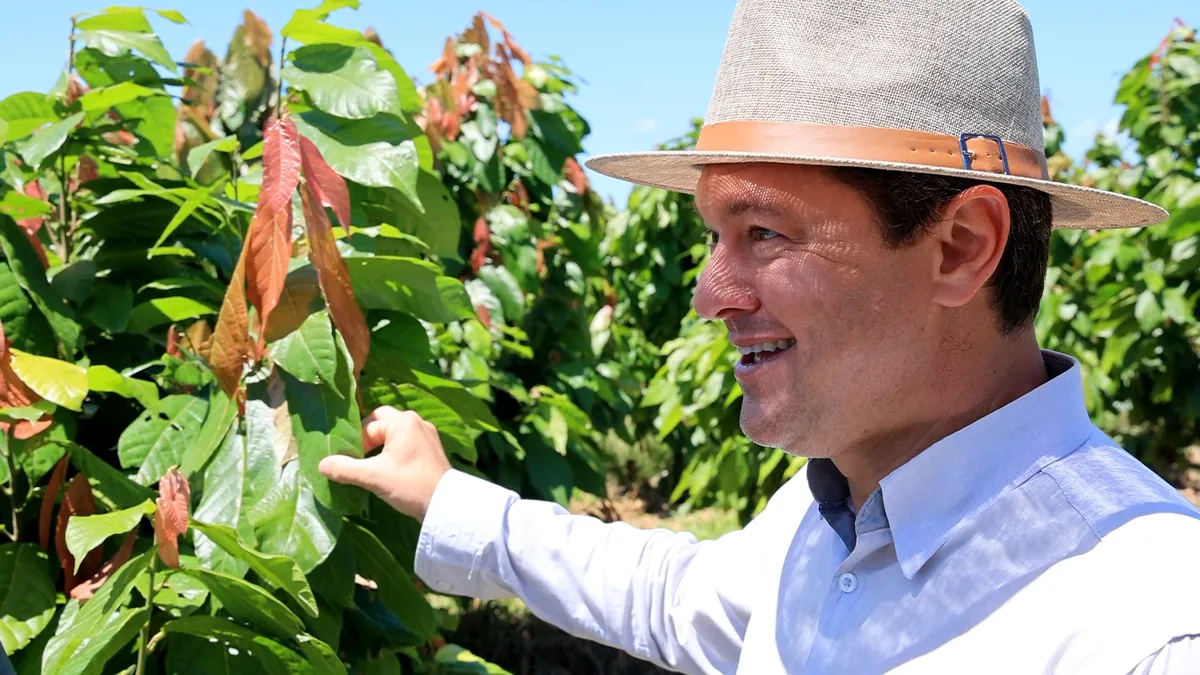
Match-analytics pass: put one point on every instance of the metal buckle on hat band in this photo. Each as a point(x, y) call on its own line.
point(967, 155)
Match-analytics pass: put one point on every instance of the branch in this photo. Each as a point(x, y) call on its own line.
point(144, 638)
point(12, 483)
point(279, 93)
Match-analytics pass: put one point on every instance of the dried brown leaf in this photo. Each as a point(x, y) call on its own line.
point(257, 37)
point(449, 61)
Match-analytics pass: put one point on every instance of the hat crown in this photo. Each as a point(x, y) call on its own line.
point(942, 66)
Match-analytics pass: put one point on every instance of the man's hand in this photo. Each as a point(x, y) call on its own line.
point(405, 473)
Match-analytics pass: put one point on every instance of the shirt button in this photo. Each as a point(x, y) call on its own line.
point(847, 582)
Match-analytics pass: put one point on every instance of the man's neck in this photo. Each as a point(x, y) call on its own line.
point(959, 391)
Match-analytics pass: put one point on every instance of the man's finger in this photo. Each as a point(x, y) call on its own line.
point(350, 470)
point(383, 421)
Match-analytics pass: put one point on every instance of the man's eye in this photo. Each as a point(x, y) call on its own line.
point(762, 233)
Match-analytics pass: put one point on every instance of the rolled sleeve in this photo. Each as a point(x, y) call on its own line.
point(462, 527)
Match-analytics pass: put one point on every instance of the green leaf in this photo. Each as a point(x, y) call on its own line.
point(74, 282)
point(279, 571)
point(110, 308)
point(343, 81)
point(379, 152)
point(197, 198)
point(308, 353)
point(228, 491)
point(248, 602)
point(30, 413)
point(112, 488)
point(155, 441)
point(74, 650)
point(27, 596)
point(454, 660)
point(111, 96)
point(19, 206)
point(166, 310)
point(221, 415)
point(25, 112)
point(1147, 311)
point(321, 657)
point(376, 563)
point(289, 522)
point(436, 222)
point(103, 378)
point(333, 579)
point(409, 285)
point(325, 421)
point(274, 658)
point(59, 382)
point(116, 42)
point(25, 327)
point(190, 655)
point(504, 285)
point(47, 140)
point(27, 268)
point(172, 15)
point(450, 425)
point(117, 18)
point(199, 154)
point(85, 533)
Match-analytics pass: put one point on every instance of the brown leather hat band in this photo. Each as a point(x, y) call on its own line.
point(987, 153)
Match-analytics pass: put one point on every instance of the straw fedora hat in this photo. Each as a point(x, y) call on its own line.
point(945, 87)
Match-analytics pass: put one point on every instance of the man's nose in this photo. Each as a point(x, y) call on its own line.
point(724, 291)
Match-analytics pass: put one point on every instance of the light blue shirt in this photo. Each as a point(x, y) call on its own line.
point(1027, 542)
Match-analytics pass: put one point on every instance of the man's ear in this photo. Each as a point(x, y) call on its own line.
point(969, 240)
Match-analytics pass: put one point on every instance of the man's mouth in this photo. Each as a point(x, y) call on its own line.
point(762, 352)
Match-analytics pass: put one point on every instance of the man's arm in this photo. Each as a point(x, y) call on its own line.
point(656, 594)
point(653, 593)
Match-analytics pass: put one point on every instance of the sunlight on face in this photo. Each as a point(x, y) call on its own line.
point(798, 256)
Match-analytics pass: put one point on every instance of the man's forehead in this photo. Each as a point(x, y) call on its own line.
point(760, 189)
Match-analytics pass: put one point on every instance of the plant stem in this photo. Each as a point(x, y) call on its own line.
point(144, 638)
point(279, 93)
point(12, 482)
point(64, 180)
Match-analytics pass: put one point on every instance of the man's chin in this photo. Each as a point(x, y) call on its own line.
point(766, 427)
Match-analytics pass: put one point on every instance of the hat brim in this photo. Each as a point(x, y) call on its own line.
point(1074, 206)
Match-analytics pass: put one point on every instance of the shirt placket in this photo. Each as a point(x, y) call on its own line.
point(850, 582)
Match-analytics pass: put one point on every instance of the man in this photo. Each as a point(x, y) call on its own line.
point(874, 178)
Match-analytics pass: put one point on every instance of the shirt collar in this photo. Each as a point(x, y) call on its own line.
point(932, 495)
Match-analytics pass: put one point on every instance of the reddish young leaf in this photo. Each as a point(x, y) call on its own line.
point(171, 518)
point(173, 342)
point(334, 279)
point(270, 246)
point(329, 188)
point(449, 61)
point(230, 346)
point(576, 176)
point(86, 589)
point(514, 97)
point(281, 164)
point(46, 517)
point(78, 501)
point(485, 317)
point(87, 170)
point(257, 37)
point(15, 394)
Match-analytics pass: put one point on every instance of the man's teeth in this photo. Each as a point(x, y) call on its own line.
point(766, 347)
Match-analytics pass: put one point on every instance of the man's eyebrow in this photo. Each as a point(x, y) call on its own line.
point(742, 207)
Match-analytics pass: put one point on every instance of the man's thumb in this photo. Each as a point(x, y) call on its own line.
point(348, 470)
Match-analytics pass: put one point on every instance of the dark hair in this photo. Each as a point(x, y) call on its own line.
point(907, 204)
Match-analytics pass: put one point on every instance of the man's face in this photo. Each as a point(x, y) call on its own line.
point(799, 266)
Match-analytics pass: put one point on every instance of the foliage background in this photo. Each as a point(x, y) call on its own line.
point(188, 330)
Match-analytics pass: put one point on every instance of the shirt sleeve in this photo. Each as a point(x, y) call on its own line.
point(1177, 657)
point(659, 595)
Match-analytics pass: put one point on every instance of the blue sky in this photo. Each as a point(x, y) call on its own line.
point(646, 66)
